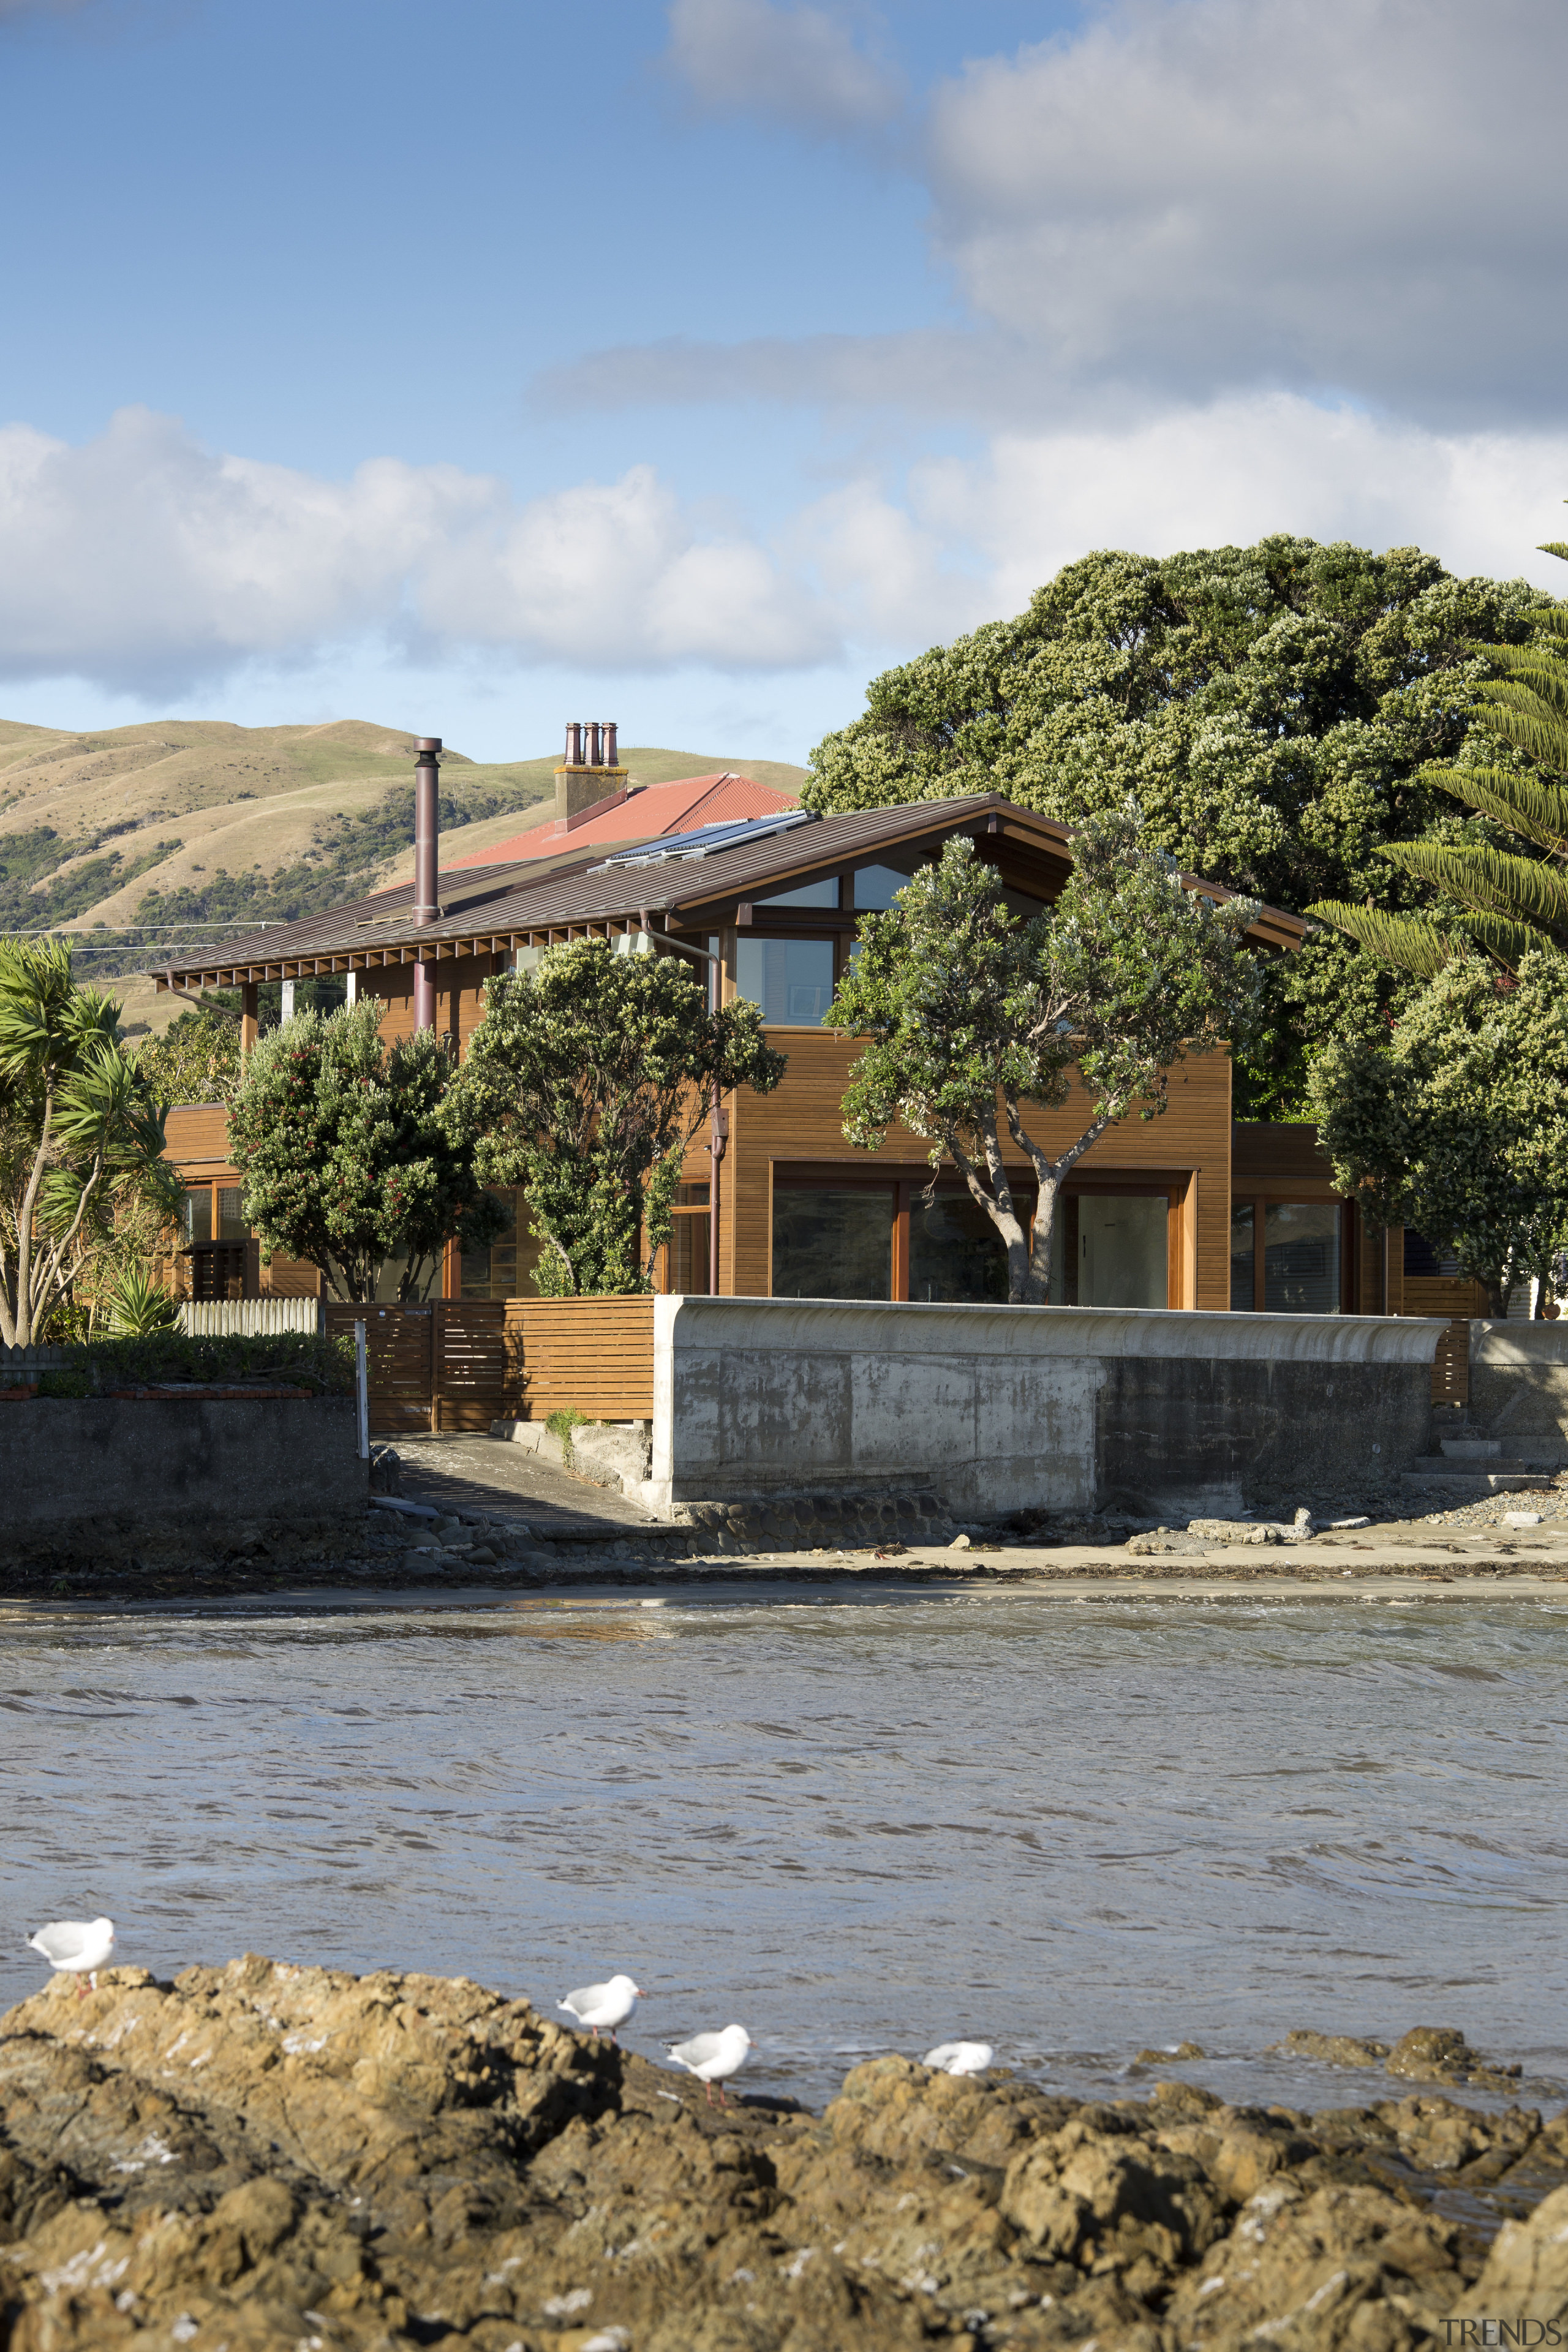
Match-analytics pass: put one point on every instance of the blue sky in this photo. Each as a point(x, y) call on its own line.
point(685, 362)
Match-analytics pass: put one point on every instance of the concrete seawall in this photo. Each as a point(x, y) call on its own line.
point(169, 1464)
point(1010, 1408)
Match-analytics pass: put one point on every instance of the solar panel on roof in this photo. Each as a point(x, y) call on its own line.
point(706, 838)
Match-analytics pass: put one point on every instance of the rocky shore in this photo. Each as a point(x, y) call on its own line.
point(265, 2156)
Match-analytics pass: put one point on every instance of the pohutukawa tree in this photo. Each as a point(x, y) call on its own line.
point(354, 1154)
point(585, 1083)
point(1273, 709)
point(977, 1019)
point(81, 1136)
point(1456, 1127)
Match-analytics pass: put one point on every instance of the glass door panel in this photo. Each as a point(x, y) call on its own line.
point(1123, 1250)
point(955, 1250)
point(1302, 1257)
point(833, 1242)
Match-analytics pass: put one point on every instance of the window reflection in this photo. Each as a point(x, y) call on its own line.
point(792, 980)
point(955, 1250)
point(832, 1243)
point(1302, 1257)
point(1242, 1257)
point(492, 1273)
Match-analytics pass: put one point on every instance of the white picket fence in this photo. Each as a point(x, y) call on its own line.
point(18, 1365)
point(248, 1319)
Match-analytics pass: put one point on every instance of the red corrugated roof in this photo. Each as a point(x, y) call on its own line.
point(647, 815)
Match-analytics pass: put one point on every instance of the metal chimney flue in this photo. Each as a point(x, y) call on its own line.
point(426, 866)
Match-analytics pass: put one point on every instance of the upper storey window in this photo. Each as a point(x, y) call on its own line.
point(876, 887)
point(809, 894)
point(792, 980)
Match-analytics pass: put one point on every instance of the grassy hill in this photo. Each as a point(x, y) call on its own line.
point(183, 823)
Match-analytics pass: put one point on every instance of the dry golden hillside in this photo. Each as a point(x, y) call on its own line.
point(180, 823)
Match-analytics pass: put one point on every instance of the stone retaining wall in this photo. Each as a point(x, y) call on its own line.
point(998, 1408)
point(146, 1467)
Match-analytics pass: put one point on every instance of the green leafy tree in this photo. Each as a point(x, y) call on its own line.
point(974, 1014)
point(1271, 708)
point(1505, 902)
point(197, 1059)
point(586, 1082)
point(80, 1135)
point(1457, 1126)
point(353, 1153)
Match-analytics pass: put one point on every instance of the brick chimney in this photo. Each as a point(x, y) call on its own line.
point(590, 779)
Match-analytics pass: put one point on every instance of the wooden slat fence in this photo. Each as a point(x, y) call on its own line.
point(1451, 1365)
point(595, 1354)
point(437, 1367)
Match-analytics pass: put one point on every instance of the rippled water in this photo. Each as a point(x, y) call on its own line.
point(1069, 1829)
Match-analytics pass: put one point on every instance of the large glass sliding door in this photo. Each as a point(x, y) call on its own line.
point(1290, 1257)
point(897, 1239)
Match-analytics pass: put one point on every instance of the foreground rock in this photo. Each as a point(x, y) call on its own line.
point(263, 2157)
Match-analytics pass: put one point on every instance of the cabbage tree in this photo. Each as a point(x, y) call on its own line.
point(81, 1136)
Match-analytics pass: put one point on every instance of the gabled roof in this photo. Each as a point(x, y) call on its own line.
point(677, 807)
point(491, 910)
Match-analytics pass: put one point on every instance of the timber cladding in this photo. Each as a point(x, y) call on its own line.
point(803, 1122)
point(593, 1355)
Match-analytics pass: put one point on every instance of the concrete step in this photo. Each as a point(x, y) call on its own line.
point(1497, 1476)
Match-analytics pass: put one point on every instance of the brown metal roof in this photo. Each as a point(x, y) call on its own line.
point(493, 910)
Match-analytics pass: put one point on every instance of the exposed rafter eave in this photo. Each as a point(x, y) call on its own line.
point(390, 955)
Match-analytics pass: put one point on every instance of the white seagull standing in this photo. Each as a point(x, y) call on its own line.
point(608, 2005)
point(713, 2057)
point(78, 1947)
point(960, 2057)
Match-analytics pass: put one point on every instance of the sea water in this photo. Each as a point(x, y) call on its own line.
point(1071, 1829)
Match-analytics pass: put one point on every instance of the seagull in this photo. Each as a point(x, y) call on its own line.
point(77, 1948)
point(713, 2057)
point(608, 2005)
point(960, 2057)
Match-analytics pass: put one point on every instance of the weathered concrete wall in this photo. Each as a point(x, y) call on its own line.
point(1519, 1386)
point(168, 1464)
point(1002, 1409)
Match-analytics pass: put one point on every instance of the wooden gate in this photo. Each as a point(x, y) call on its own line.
point(437, 1367)
point(1451, 1365)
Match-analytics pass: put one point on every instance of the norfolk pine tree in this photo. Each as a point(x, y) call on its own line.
point(1509, 904)
point(965, 1006)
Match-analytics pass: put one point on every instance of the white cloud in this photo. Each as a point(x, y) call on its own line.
point(143, 560)
point(1356, 194)
point(615, 573)
point(150, 565)
point(796, 63)
point(1234, 470)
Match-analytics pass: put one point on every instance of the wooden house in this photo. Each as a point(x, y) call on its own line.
point(1184, 1210)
